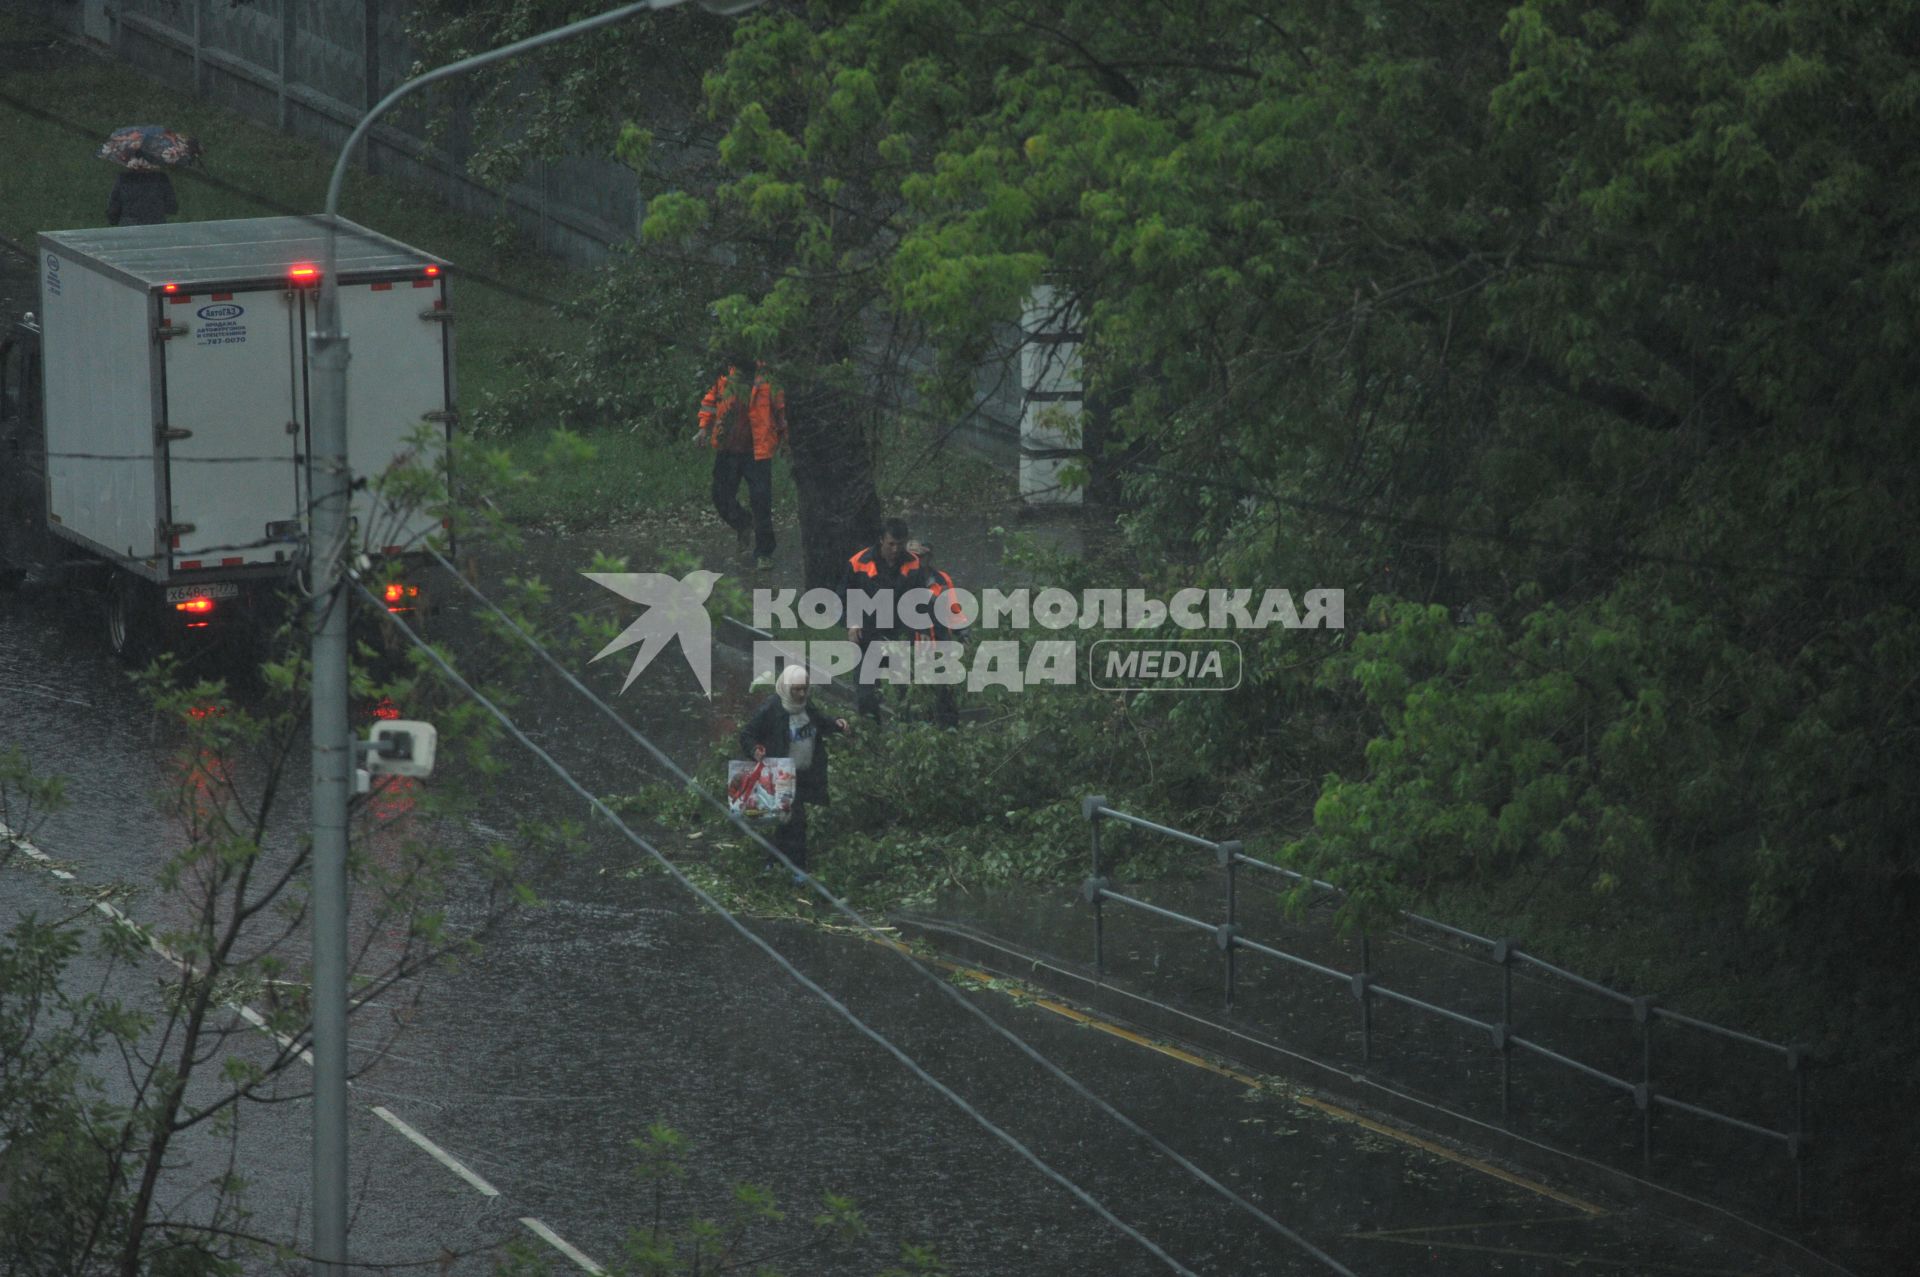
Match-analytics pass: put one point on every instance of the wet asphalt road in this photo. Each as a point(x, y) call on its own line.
point(619, 1002)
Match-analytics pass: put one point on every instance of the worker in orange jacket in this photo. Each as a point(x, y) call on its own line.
point(743, 418)
point(949, 624)
point(881, 573)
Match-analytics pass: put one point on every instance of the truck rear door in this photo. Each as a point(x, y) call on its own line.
point(230, 396)
point(397, 382)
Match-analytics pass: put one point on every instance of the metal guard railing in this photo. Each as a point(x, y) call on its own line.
point(1505, 953)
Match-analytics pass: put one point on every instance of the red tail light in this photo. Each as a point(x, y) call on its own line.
point(197, 606)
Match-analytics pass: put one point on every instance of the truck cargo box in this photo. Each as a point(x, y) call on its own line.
point(177, 419)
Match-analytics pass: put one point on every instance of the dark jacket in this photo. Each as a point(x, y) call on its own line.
point(141, 199)
point(867, 574)
point(769, 727)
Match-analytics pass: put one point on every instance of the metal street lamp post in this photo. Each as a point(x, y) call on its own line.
point(333, 761)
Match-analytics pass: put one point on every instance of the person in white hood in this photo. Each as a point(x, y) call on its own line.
point(788, 725)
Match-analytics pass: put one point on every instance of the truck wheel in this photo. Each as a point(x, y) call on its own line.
point(132, 632)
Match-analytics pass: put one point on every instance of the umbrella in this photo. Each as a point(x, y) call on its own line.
point(149, 147)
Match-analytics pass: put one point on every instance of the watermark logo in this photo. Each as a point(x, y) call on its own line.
point(676, 608)
point(1165, 665)
point(923, 638)
point(1159, 663)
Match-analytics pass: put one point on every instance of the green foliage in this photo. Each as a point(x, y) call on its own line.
point(78, 1173)
point(753, 1222)
point(26, 798)
point(631, 358)
point(552, 104)
point(917, 810)
point(49, 1106)
point(915, 1259)
point(1581, 300)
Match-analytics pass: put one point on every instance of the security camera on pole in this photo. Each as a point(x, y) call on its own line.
point(334, 760)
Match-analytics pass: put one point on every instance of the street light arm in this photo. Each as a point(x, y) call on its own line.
point(329, 299)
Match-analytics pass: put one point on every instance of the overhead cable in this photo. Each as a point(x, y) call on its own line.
point(946, 989)
point(779, 959)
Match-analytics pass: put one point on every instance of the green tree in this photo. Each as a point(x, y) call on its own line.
point(1595, 327)
point(1573, 340)
point(795, 240)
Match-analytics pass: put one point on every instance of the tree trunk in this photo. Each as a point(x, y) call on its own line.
point(839, 508)
point(1103, 478)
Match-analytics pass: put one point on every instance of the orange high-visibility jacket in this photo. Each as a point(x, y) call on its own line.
point(948, 623)
point(865, 572)
point(766, 412)
point(946, 613)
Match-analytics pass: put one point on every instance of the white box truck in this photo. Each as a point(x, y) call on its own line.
point(161, 443)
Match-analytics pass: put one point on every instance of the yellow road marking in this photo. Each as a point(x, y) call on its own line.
point(1472, 1163)
point(1380, 1234)
point(1336, 1111)
point(1571, 1261)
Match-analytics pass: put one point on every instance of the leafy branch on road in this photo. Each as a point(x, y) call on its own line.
point(751, 1235)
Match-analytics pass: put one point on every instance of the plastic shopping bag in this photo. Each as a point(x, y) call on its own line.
point(762, 789)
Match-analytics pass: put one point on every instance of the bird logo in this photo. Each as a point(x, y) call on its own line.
point(676, 608)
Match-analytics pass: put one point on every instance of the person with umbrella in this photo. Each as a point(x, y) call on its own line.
point(143, 193)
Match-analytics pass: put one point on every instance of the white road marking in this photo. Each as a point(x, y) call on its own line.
point(7, 835)
point(259, 1022)
point(562, 1245)
point(438, 1154)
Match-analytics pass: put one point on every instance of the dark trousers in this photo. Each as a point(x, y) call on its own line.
point(866, 696)
point(729, 468)
point(791, 838)
point(946, 711)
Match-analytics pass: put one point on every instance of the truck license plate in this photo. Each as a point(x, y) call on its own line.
point(211, 590)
